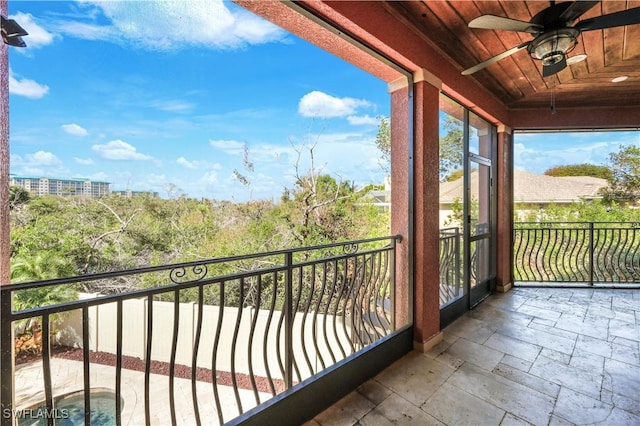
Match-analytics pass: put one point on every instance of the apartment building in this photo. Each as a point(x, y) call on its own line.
point(62, 187)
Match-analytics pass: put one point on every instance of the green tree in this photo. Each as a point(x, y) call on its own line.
point(602, 172)
point(624, 184)
point(451, 147)
point(43, 266)
point(383, 142)
point(18, 196)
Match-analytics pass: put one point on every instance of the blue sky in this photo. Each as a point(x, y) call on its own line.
point(152, 95)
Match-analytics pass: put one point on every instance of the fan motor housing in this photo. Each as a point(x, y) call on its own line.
point(552, 47)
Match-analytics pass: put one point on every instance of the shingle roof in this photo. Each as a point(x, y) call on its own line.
point(534, 188)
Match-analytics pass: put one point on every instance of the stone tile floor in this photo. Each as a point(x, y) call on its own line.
point(531, 356)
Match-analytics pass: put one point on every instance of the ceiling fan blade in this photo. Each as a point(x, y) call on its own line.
point(496, 58)
point(551, 69)
point(576, 9)
point(492, 22)
point(616, 19)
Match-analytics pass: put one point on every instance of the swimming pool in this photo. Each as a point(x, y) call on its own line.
point(69, 410)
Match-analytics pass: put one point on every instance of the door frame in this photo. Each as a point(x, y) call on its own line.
point(472, 296)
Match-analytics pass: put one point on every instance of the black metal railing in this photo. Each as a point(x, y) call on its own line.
point(577, 252)
point(450, 267)
point(271, 320)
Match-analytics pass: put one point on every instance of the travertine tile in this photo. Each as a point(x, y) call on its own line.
point(513, 346)
point(538, 312)
point(622, 378)
point(511, 420)
point(346, 412)
point(626, 330)
point(515, 362)
point(579, 408)
point(556, 356)
point(398, 411)
point(587, 361)
point(415, 377)
point(533, 382)
point(374, 391)
point(453, 406)
point(470, 328)
point(575, 378)
point(539, 338)
point(505, 394)
point(480, 355)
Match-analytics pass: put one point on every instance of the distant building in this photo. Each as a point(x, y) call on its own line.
point(129, 194)
point(63, 187)
point(530, 191)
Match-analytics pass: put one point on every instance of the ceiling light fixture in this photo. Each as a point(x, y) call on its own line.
point(552, 48)
point(619, 79)
point(576, 58)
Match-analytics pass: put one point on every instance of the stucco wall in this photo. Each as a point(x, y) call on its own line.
point(5, 254)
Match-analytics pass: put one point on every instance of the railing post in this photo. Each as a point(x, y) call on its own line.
point(591, 249)
point(392, 290)
point(288, 317)
point(7, 363)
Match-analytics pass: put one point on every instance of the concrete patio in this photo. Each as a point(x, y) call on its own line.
point(531, 356)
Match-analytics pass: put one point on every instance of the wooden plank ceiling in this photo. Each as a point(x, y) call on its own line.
point(517, 80)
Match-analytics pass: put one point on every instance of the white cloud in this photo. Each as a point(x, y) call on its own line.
point(84, 161)
point(74, 129)
point(362, 120)
point(186, 163)
point(40, 163)
point(172, 106)
point(38, 36)
point(209, 178)
point(119, 150)
point(100, 176)
point(535, 157)
point(319, 104)
point(43, 158)
point(171, 25)
point(228, 146)
point(27, 88)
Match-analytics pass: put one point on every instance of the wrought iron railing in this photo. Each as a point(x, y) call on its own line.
point(450, 266)
point(271, 320)
point(577, 252)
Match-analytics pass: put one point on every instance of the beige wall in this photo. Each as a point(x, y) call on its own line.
point(103, 329)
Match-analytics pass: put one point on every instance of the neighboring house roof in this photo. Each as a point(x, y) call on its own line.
point(534, 188)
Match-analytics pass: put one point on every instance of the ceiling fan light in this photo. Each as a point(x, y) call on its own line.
point(619, 79)
point(575, 59)
point(552, 47)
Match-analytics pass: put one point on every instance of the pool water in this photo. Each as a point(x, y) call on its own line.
point(69, 410)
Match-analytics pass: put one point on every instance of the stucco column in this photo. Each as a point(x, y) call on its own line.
point(400, 195)
point(504, 220)
point(5, 253)
point(426, 210)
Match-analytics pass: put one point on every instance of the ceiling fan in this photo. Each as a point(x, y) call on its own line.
point(555, 32)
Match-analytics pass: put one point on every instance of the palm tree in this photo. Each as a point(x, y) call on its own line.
point(43, 266)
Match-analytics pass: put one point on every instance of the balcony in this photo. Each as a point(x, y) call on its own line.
point(200, 342)
point(531, 356)
point(212, 340)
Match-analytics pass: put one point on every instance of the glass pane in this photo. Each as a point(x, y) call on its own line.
point(479, 270)
point(479, 207)
point(451, 283)
point(451, 200)
point(451, 138)
point(480, 213)
point(479, 136)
